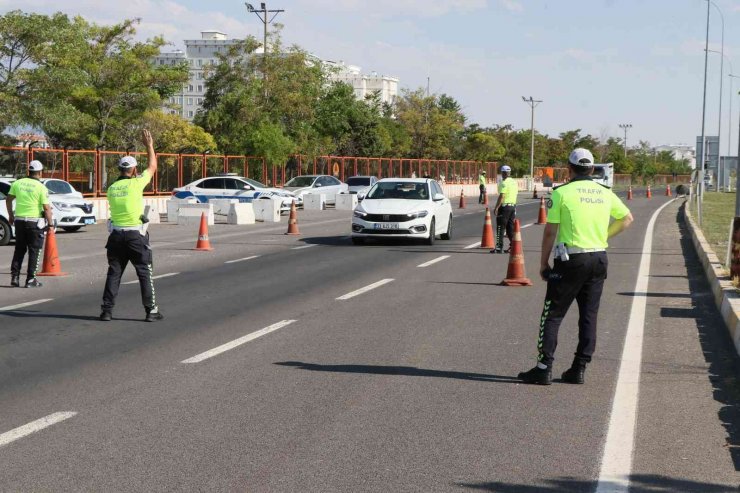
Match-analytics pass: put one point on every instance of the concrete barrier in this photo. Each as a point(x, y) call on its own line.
point(240, 213)
point(346, 201)
point(190, 214)
point(152, 214)
point(222, 206)
point(314, 201)
point(267, 210)
point(173, 206)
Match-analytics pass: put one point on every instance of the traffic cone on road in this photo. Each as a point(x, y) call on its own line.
point(629, 193)
point(649, 194)
point(542, 218)
point(462, 199)
point(487, 241)
point(293, 221)
point(515, 274)
point(203, 244)
point(668, 191)
point(51, 265)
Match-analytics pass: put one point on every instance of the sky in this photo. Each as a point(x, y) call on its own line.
point(593, 63)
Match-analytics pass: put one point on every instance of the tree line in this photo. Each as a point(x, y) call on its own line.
point(89, 86)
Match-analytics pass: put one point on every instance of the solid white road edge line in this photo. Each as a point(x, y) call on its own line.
point(474, 245)
point(434, 261)
point(237, 342)
point(23, 305)
point(616, 463)
point(241, 259)
point(34, 426)
point(365, 289)
point(161, 276)
point(305, 246)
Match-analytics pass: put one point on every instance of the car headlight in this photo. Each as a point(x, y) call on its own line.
point(62, 206)
point(359, 213)
point(417, 215)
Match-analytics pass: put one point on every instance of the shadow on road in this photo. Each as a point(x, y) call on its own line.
point(60, 316)
point(639, 483)
point(407, 371)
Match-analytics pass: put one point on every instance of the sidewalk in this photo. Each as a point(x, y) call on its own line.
point(688, 424)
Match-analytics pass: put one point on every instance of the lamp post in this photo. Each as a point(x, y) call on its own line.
point(700, 185)
point(625, 127)
point(720, 168)
point(264, 15)
point(532, 103)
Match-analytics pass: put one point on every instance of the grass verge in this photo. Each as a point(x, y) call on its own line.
point(718, 209)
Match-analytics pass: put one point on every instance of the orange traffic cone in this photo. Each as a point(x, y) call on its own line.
point(515, 274)
point(649, 194)
point(203, 243)
point(629, 193)
point(293, 221)
point(462, 199)
point(487, 241)
point(668, 191)
point(51, 266)
point(542, 218)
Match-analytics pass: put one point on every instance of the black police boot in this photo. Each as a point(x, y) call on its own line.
point(153, 316)
point(537, 376)
point(32, 282)
point(106, 315)
point(15, 281)
point(497, 250)
point(575, 374)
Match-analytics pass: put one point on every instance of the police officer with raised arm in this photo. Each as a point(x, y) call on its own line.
point(578, 216)
point(32, 217)
point(505, 210)
point(128, 240)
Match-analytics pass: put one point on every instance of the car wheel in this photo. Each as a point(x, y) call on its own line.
point(4, 233)
point(432, 234)
point(71, 229)
point(448, 234)
point(358, 241)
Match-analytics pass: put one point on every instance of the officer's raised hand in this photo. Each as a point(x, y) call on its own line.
point(146, 138)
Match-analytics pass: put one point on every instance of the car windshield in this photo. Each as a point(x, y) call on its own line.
point(57, 186)
point(254, 183)
point(358, 181)
point(399, 190)
point(599, 172)
point(301, 181)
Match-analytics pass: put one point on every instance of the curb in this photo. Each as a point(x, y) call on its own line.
point(726, 297)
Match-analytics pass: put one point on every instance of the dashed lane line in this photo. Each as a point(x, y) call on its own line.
point(241, 259)
point(34, 426)
point(434, 261)
point(365, 289)
point(474, 245)
point(305, 246)
point(23, 305)
point(237, 342)
point(161, 276)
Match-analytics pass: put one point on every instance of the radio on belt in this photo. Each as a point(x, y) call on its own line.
point(561, 252)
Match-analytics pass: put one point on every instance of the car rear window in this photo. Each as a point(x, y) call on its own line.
point(358, 182)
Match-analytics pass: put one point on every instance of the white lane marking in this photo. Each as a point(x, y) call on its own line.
point(305, 246)
point(365, 289)
point(527, 225)
point(616, 464)
point(474, 245)
point(161, 276)
point(237, 342)
point(241, 259)
point(23, 305)
point(434, 261)
point(34, 426)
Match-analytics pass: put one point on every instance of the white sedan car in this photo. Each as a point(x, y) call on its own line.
point(232, 187)
point(403, 208)
point(316, 184)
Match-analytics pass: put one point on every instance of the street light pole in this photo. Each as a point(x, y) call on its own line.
point(625, 127)
point(700, 186)
point(263, 13)
point(532, 103)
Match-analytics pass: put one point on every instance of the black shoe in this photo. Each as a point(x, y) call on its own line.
point(106, 316)
point(32, 282)
point(496, 250)
point(153, 316)
point(574, 374)
point(15, 281)
point(537, 376)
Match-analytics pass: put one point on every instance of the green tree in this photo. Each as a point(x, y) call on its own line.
point(484, 147)
point(431, 128)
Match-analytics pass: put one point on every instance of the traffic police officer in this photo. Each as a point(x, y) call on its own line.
point(482, 186)
point(31, 218)
point(128, 240)
point(579, 216)
point(505, 210)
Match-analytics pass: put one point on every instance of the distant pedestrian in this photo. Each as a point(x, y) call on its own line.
point(31, 218)
point(505, 210)
point(579, 217)
point(128, 240)
point(413, 174)
point(482, 186)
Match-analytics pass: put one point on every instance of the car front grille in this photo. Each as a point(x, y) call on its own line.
point(385, 231)
point(386, 218)
point(86, 208)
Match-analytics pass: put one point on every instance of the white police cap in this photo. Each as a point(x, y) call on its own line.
point(127, 162)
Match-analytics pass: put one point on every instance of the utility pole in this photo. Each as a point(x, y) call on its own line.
point(700, 185)
point(625, 127)
point(533, 104)
point(263, 13)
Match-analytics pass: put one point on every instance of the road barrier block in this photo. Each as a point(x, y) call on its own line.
point(267, 210)
point(190, 213)
point(346, 201)
point(314, 201)
point(222, 206)
point(152, 214)
point(173, 206)
point(240, 213)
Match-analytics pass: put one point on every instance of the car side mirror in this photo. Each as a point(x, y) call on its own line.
point(438, 196)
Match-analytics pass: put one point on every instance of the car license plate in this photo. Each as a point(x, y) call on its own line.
point(386, 226)
point(89, 220)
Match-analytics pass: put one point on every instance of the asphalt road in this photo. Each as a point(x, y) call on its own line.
point(405, 387)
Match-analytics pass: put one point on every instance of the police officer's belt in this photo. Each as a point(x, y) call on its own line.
point(29, 219)
point(572, 250)
point(508, 205)
point(126, 228)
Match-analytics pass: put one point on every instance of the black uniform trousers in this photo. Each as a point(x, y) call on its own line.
point(28, 237)
point(124, 247)
point(505, 224)
point(482, 196)
point(580, 278)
